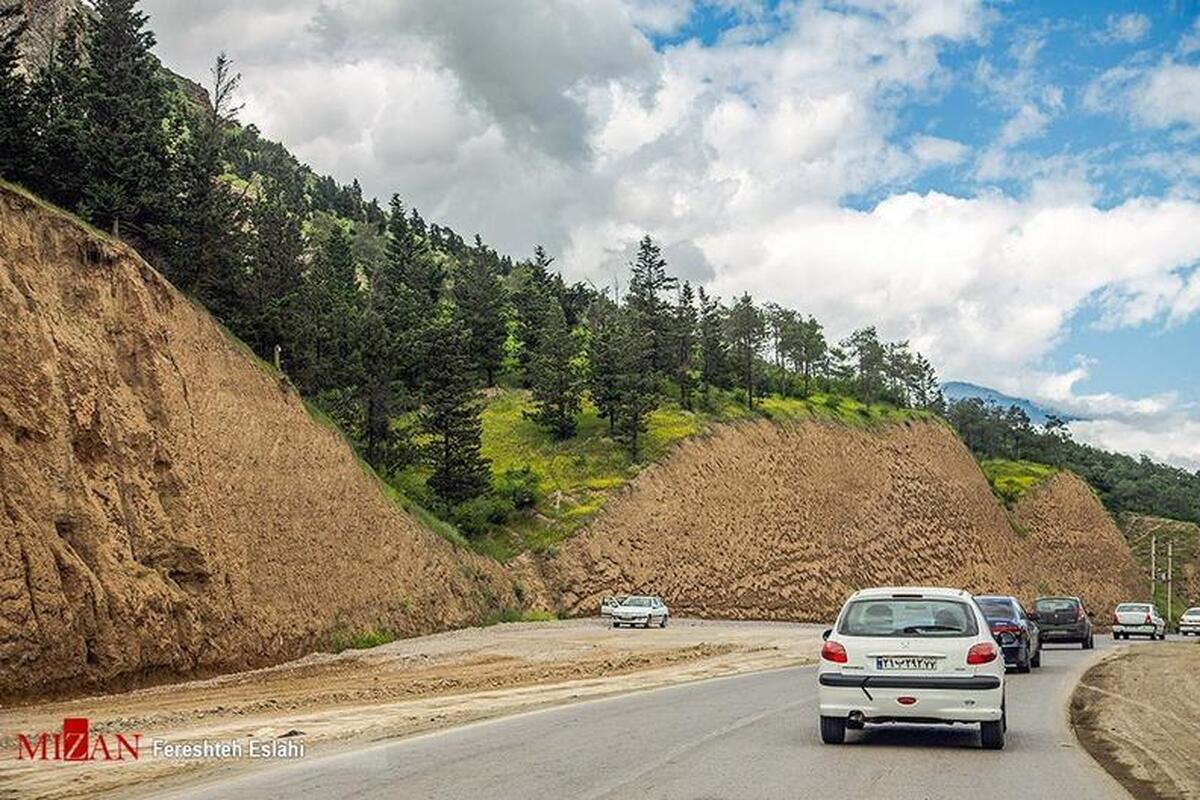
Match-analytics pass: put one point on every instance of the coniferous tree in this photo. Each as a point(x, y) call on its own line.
point(605, 358)
point(649, 312)
point(127, 152)
point(555, 378)
point(683, 342)
point(17, 135)
point(479, 297)
point(635, 389)
point(450, 417)
point(329, 319)
point(412, 258)
point(711, 341)
point(267, 315)
point(746, 333)
point(59, 101)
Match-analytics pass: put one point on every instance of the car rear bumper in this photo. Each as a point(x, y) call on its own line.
point(631, 620)
point(1189, 627)
point(1058, 633)
point(976, 698)
point(1135, 630)
point(1012, 654)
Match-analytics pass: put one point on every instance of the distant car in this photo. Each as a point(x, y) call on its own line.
point(640, 610)
point(1064, 619)
point(609, 603)
point(912, 655)
point(1190, 622)
point(1016, 630)
point(1138, 619)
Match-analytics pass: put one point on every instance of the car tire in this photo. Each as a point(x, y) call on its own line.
point(1023, 666)
point(663, 624)
point(1089, 643)
point(1036, 661)
point(991, 734)
point(833, 730)
point(616, 624)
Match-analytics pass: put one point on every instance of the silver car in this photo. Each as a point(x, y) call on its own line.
point(640, 610)
point(1190, 622)
point(609, 603)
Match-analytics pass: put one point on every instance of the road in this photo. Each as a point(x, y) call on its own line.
point(753, 736)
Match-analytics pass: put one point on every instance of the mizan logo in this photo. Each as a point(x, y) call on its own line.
point(76, 743)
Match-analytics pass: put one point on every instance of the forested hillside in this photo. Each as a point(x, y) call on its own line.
point(391, 325)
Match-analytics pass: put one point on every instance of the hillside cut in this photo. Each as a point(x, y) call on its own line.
point(782, 521)
point(167, 505)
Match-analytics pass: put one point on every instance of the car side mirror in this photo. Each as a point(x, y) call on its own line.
point(826, 634)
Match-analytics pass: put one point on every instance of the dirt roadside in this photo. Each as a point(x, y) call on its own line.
point(406, 687)
point(1136, 713)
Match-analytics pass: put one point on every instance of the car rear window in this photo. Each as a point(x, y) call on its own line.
point(908, 617)
point(1053, 604)
point(1133, 607)
point(996, 607)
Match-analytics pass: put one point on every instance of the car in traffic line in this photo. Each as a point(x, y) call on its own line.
point(1190, 622)
point(1064, 619)
point(1015, 629)
point(1138, 619)
point(921, 655)
point(609, 603)
point(641, 610)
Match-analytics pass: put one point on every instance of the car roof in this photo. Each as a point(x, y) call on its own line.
point(923, 591)
point(1007, 597)
point(1058, 597)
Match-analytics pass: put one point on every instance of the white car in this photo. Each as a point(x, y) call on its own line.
point(609, 603)
point(640, 610)
point(911, 654)
point(1190, 622)
point(1138, 619)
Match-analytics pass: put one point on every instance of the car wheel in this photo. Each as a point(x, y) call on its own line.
point(1036, 661)
point(663, 624)
point(1023, 664)
point(616, 624)
point(1089, 643)
point(991, 734)
point(833, 730)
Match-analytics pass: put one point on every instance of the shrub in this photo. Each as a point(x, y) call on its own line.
point(519, 486)
point(476, 516)
point(342, 639)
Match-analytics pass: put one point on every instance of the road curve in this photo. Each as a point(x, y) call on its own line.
point(751, 736)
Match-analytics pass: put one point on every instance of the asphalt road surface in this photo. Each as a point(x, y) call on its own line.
point(753, 736)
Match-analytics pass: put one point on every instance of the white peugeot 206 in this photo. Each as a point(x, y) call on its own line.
point(911, 655)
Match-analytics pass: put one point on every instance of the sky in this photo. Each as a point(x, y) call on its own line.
point(1012, 187)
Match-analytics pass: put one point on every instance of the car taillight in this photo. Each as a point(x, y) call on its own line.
point(832, 651)
point(1078, 613)
point(1005, 627)
point(1116, 620)
point(981, 653)
point(1148, 620)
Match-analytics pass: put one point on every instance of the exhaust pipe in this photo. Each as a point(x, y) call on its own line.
point(856, 717)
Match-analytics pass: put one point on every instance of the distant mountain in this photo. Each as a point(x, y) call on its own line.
point(958, 390)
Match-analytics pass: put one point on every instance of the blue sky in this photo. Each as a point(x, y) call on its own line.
point(1013, 187)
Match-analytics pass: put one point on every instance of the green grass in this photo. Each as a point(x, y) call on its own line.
point(1012, 480)
point(576, 476)
point(514, 614)
point(342, 639)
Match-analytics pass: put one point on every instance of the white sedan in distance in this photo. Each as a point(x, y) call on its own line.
point(1138, 619)
point(915, 655)
point(641, 610)
point(1190, 622)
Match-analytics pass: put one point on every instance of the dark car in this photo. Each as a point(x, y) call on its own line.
point(1064, 619)
point(1014, 629)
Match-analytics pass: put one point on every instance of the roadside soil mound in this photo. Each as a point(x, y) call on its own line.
point(1136, 713)
point(782, 521)
point(169, 507)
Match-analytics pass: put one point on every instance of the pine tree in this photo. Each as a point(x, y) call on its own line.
point(329, 312)
point(267, 315)
point(711, 340)
point(479, 297)
point(746, 333)
point(16, 112)
point(555, 378)
point(635, 386)
point(59, 101)
point(604, 358)
point(649, 312)
point(683, 342)
point(450, 417)
point(412, 259)
point(126, 104)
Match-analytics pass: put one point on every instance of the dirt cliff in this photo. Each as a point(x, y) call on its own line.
point(167, 505)
point(781, 521)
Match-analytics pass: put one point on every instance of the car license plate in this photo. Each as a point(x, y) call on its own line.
point(915, 663)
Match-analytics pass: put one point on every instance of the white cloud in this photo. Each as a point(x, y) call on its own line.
point(1173, 438)
point(1126, 28)
point(557, 122)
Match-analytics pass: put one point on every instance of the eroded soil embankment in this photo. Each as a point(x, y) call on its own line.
point(783, 521)
point(1137, 714)
point(168, 506)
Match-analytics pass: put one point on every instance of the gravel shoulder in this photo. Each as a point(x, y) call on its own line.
point(399, 689)
point(1136, 713)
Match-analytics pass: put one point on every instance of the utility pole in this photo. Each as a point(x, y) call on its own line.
point(1153, 566)
point(1170, 577)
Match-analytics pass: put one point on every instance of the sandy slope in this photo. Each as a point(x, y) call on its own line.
point(397, 689)
point(169, 507)
point(777, 521)
point(1137, 714)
